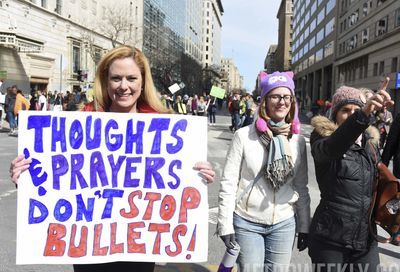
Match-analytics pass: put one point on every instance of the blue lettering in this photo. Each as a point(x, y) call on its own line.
point(60, 205)
point(58, 135)
point(97, 169)
point(92, 143)
point(178, 165)
point(60, 167)
point(115, 168)
point(130, 182)
point(76, 166)
point(76, 134)
point(117, 138)
point(158, 125)
point(152, 167)
point(180, 125)
point(42, 209)
point(83, 210)
point(134, 137)
point(38, 123)
point(110, 194)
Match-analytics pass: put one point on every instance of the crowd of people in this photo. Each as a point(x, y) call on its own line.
point(264, 202)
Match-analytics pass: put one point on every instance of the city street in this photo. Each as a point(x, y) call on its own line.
point(219, 137)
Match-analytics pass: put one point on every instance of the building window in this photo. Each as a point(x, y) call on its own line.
point(367, 7)
point(311, 43)
point(381, 26)
point(381, 67)
point(329, 48)
point(311, 60)
point(397, 19)
point(394, 65)
point(58, 6)
point(321, 16)
point(320, 36)
point(380, 2)
point(329, 27)
point(330, 5)
point(319, 55)
point(76, 56)
point(351, 43)
point(43, 3)
point(353, 18)
point(365, 36)
point(313, 25)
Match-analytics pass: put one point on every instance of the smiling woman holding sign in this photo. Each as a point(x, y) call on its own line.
point(123, 84)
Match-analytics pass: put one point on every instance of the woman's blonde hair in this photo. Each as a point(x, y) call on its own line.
point(148, 94)
point(263, 112)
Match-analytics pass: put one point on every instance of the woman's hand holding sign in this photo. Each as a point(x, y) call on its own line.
point(18, 166)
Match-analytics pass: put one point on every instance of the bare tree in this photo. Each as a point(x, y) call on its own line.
point(115, 24)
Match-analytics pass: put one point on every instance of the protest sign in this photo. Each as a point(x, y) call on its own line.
point(106, 187)
point(174, 88)
point(217, 92)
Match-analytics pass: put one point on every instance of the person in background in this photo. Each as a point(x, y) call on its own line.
point(201, 106)
point(345, 153)
point(179, 106)
point(124, 84)
point(9, 105)
point(21, 103)
point(392, 150)
point(42, 101)
point(212, 110)
point(264, 182)
point(194, 104)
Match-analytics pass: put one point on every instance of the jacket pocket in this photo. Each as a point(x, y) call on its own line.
point(335, 226)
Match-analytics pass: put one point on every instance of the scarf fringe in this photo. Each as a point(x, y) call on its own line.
point(277, 172)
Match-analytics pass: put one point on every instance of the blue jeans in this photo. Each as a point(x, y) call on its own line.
point(264, 247)
point(11, 120)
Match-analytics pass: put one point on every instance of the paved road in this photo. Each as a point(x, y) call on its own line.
point(219, 138)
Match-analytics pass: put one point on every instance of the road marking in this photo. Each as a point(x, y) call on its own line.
point(7, 193)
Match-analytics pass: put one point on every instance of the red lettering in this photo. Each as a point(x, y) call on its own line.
point(97, 250)
point(115, 248)
point(134, 247)
point(81, 249)
point(159, 228)
point(168, 207)
point(151, 197)
point(180, 230)
point(190, 200)
point(134, 210)
point(54, 245)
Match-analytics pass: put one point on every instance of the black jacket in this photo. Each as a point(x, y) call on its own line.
point(392, 147)
point(345, 174)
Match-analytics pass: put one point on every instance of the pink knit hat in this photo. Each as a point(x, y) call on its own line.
point(346, 95)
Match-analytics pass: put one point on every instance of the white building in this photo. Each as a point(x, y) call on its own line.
point(45, 44)
point(212, 24)
point(231, 78)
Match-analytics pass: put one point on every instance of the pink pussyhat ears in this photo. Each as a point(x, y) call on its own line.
point(290, 74)
point(296, 123)
point(262, 75)
point(261, 125)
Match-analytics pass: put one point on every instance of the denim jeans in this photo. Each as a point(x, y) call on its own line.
point(11, 120)
point(264, 247)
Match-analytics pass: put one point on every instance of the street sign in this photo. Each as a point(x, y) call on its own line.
point(3, 74)
point(397, 81)
point(217, 92)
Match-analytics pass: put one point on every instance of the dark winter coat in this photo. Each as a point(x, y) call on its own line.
point(392, 147)
point(345, 173)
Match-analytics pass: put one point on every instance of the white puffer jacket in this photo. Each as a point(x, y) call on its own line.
point(245, 159)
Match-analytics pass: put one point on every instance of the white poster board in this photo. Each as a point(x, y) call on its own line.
point(108, 187)
point(174, 88)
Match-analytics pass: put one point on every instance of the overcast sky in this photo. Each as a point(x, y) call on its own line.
point(249, 27)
